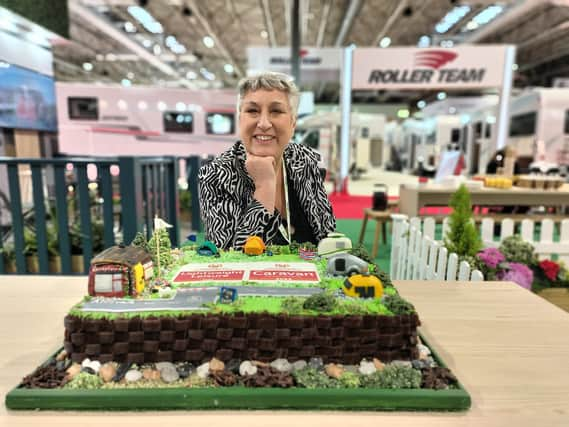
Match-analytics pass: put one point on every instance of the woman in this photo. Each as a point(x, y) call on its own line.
point(265, 186)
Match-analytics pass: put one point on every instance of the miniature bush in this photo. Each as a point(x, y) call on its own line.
point(398, 305)
point(462, 237)
point(349, 380)
point(515, 249)
point(292, 305)
point(140, 241)
point(85, 380)
point(312, 378)
point(392, 376)
point(361, 252)
point(383, 276)
point(320, 302)
point(160, 242)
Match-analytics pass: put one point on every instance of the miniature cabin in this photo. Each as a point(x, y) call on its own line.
point(120, 271)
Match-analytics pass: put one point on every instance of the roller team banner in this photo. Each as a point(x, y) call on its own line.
point(412, 68)
point(252, 272)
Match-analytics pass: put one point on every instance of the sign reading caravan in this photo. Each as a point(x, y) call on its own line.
point(99, 120)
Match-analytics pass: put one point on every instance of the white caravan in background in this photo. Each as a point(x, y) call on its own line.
point(538, 130)
point(425, 139)
point(97, 120)
point(321, 132)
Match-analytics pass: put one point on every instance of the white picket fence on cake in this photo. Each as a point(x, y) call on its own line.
point(416, 255)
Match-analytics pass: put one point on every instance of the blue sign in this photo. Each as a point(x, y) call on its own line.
point(27, 99)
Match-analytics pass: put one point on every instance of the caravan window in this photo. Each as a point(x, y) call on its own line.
point(83, 108)
point(220, 123)
point(523, 125)
point(566, 125)
point(178, 122)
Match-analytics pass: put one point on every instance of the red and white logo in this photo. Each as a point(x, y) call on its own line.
point(434, 58)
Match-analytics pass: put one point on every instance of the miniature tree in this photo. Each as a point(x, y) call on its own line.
point(160, 248)
point(462, 237)
point(140, 241)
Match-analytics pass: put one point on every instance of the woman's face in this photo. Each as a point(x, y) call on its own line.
point(266, 122)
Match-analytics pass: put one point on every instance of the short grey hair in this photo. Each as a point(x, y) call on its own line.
point(269, 80)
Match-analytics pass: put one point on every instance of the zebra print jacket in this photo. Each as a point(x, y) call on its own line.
point(231, 214)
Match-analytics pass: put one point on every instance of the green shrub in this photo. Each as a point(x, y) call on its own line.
point(515, 249)
point(292, 305)
point(392, 376)
point(349, 380)
point(320, 302)
point(398, 305)
point(85, 380)
point(312, 378)
point(462, 237)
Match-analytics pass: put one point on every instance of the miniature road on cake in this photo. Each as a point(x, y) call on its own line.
point(190, 299)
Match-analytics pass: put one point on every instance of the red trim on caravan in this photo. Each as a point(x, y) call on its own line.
point(126, 131)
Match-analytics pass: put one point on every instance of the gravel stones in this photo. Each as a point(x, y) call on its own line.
point(366, 368)
point(133, 376)
point(281, 365)
point(247, 368)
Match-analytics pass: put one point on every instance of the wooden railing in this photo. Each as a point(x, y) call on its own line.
point(51, 206)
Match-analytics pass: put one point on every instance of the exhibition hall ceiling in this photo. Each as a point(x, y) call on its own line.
point(203, 44)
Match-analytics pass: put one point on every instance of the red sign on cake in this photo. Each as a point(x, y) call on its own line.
point(209, 276)
point(283, 275)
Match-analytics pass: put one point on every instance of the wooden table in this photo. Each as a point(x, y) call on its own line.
point(381, 219)
point(507, 346)
point(413, 197)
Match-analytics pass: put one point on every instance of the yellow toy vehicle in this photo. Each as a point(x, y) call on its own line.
point(254, 246)
point(363, 286)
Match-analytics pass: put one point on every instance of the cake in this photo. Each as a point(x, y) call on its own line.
point(195, 335)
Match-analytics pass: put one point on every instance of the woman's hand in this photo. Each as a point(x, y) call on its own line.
point(261, 169)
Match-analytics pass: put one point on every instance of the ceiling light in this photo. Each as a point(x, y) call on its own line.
point(451, 110)
point(145, 19)
point(191, 75)
point(180, 106)
point(441, 96)
point(482, 18)
point(424, 41)
point(162, 105)
point(142, 105)
point(146, 43)
point(451, 18)
point(385, 42)
point(122, 104)
point(130, 75)
point(126, 82)
point(129, 27)
point(403, 113)
point(421, 104)
point(264, 34)
point(87, 66)
point(100, 57)
point(228, 68)
point(208, 42)
point(514, 67)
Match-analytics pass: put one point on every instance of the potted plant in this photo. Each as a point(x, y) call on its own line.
point(9, 258)
point(53, 249)
point(31, 251)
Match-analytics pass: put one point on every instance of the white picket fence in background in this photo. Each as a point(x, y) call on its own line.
point(416, 255)
point(545, 246)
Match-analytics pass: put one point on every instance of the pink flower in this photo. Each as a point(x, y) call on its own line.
point(517, 273)
point(491, 257)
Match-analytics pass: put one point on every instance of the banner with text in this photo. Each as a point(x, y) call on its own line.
point(296, 272)
point(429, 68)
point(316, 64)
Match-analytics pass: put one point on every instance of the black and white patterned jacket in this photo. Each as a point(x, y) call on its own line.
point(231, 214)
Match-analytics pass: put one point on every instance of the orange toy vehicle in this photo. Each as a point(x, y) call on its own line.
point(254, 246)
